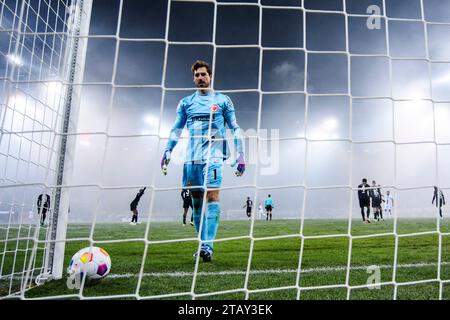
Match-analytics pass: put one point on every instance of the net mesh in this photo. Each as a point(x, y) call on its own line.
point(37, 50)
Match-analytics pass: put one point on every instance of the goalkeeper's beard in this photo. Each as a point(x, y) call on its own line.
point(202, 86)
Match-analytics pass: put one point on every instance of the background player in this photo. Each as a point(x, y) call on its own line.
point(388, 203)
point(268, 203)
point(187, 202)
point(205, 113)
point(260, 210)
point(380, 201)
point(375, 196)
point(43, 204)
point(134, 204)
point(249, 205)
point(440, 199)
point(364, 199)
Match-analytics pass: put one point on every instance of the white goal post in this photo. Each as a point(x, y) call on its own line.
point(58, 51)
point(78, 26)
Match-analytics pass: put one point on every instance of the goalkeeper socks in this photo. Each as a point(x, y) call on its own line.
point(212, 222)
point(197, 213)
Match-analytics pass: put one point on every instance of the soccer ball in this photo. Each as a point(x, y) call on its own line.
point(94, 263)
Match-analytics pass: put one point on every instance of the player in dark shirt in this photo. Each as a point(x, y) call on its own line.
point(364, 199)
point(375, 196)
point(43, 204)
point(134, 204)
point(187, 202)
point(380, 201)
point(440, 199)
point(249, 205)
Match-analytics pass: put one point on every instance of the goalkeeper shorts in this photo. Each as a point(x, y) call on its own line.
point(194, 175)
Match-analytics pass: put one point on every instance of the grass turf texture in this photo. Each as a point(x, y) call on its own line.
point(169, 267)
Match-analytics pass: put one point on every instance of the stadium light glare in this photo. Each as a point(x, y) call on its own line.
point(18, 102)
point(85, 141)
point(15, 60)
point(164, 130)
point(330, 124)
point(326, 130)
point(441, 80)
point(54, 88)
point(151, 120)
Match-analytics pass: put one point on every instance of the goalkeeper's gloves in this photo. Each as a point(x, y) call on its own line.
point(165, 161)
point(240, 162)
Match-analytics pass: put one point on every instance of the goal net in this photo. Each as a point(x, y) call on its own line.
point(326, 92)
point(42, 58)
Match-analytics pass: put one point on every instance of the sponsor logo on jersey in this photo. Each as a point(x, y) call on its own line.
point(204, 117)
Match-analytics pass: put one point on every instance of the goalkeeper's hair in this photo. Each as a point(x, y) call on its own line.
point(199, 64)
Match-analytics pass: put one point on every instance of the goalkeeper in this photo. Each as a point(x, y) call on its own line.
point(205, 113)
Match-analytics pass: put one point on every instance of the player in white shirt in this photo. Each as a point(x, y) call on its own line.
point(260, 211)
point(388, 203)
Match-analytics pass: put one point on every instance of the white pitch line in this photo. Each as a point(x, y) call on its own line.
point(271, 271)
point(267, 271)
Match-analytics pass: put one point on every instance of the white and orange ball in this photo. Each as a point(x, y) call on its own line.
point(94, 263)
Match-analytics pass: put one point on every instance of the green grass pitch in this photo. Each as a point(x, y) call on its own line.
point(168, 268)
